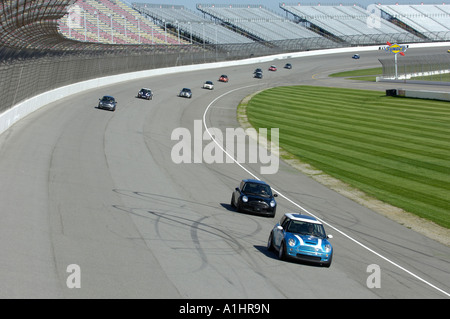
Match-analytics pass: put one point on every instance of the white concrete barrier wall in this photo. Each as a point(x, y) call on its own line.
point(19, 111)
point(422, 94)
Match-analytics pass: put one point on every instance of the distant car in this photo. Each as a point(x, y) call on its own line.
point(208, 85)
point(258, 75)
point(288, 66)
point(145, 94)
point(303, 238)
point(107, 102)
point(223, 78)
point(355, 56)
point(185, 92)
point(272, 68)
point(258, 70)
point(254, 196)
point(448, 51)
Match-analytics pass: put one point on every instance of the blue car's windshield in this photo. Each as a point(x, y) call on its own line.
point(306, 228)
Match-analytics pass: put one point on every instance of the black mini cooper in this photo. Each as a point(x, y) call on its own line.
point(254, 196)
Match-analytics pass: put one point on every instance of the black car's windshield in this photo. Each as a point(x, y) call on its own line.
point(107, 99)
point(306, 228)
point(257, 189)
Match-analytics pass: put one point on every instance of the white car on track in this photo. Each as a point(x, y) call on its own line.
point(208, 85)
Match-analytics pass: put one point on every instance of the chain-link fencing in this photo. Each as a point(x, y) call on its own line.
point(434, 68)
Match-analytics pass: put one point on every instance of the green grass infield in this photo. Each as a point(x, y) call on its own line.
point(394, 149)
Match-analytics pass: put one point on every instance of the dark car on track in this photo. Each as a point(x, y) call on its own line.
point(185, 92)
point(288, 66)
point(258, 75)
point(145, 93)
point(107, 103)
point(254, 196)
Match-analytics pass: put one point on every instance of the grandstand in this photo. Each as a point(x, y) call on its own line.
point(351, 24)
point(257, 21)
point(429, 21)
point(191, 24)
point(114, 22)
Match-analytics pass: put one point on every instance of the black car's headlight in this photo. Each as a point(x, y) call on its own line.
point(245, 199)
point(272, 203)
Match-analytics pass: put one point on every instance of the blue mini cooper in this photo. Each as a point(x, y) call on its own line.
point(301, 237)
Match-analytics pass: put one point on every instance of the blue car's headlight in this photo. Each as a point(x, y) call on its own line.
point(272, 203)
point(292, 242)
point(327, 248)
point(245, 199)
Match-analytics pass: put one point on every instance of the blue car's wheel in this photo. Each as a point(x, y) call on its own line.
point(270, 243)
point(282, 251)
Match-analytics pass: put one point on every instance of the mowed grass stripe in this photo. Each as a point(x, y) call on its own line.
point(424, 131)
point(398, 164)
point(381, 186)
point(425, 151)
point(395, 149)
point(434, 142)
point(356, 162)
point(372, 140)
point(384, 116)
point(430, 146)
point(369, 157)
point(378, 128)
point(412, 106)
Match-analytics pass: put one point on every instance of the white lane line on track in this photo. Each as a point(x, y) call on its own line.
point(305, 210)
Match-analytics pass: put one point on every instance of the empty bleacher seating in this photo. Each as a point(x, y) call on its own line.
point(257, 21)
point(350, 23)
point(111, 21)
point(430, 20)
point(191, 23)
